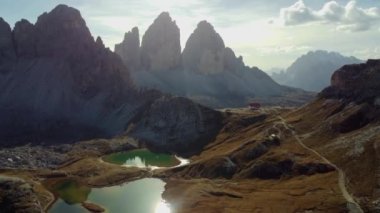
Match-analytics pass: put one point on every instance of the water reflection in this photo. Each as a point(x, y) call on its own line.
point(70, 191)
point(144, 159)
point(162, 207)
point(136, 162)
point(141, 196)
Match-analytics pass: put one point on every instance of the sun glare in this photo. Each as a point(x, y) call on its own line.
point(162, 207)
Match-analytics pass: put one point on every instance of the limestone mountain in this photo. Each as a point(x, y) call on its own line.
point(57, 84)
point(160, 46)
point(207, 71)
point(313, 70)
point(204, 51)
point(129, 49)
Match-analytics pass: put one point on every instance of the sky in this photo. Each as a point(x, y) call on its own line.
point(268, 34)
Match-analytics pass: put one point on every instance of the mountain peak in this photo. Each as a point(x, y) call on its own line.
point(312, 71)
point(3, 22)
point(99, 41)
point(164, 17)
point(134, 32)
point(161, 46)
point(205, 25)
point(129, 49)
point(60, 32)
point(62, 13)
point(65, 19)
point(204, 50)
point(6, 41)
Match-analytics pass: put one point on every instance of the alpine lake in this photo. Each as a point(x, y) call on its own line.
point(139, 196)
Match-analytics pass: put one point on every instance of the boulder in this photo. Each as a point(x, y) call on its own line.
point(161, 47)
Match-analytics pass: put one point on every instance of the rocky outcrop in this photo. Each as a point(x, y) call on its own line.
point(171, 123)
point(160, 46)
point(16, 195)
point(129, 49)
point(359, 83)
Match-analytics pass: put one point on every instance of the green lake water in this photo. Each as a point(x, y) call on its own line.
point(143, 158)
point(140, 196)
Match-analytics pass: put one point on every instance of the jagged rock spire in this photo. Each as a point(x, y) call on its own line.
point(161, 47)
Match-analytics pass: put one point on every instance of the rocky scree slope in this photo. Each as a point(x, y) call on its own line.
point(59, 85)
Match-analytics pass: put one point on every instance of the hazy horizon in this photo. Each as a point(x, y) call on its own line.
point(267, 34)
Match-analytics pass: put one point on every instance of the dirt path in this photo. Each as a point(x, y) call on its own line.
point(352, 205)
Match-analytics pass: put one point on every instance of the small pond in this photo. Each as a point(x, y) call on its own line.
point(140, 196)
point(143, 158)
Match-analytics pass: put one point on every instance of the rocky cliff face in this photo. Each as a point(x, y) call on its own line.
point(58, 84)
point(204, 50)
point(209, 73)
point(6, 44)
point(129, 49)
point(359, 83)
point(206, 53)
point(168, 121)
point(62, 84)
point(161, 47)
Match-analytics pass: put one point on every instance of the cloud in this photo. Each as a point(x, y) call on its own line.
point(349, 17)
point(297, 13)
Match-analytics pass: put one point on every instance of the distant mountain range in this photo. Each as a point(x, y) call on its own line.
point(312, 71)
point(206, 71)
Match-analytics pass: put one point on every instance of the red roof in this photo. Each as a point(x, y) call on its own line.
point(256, 105)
